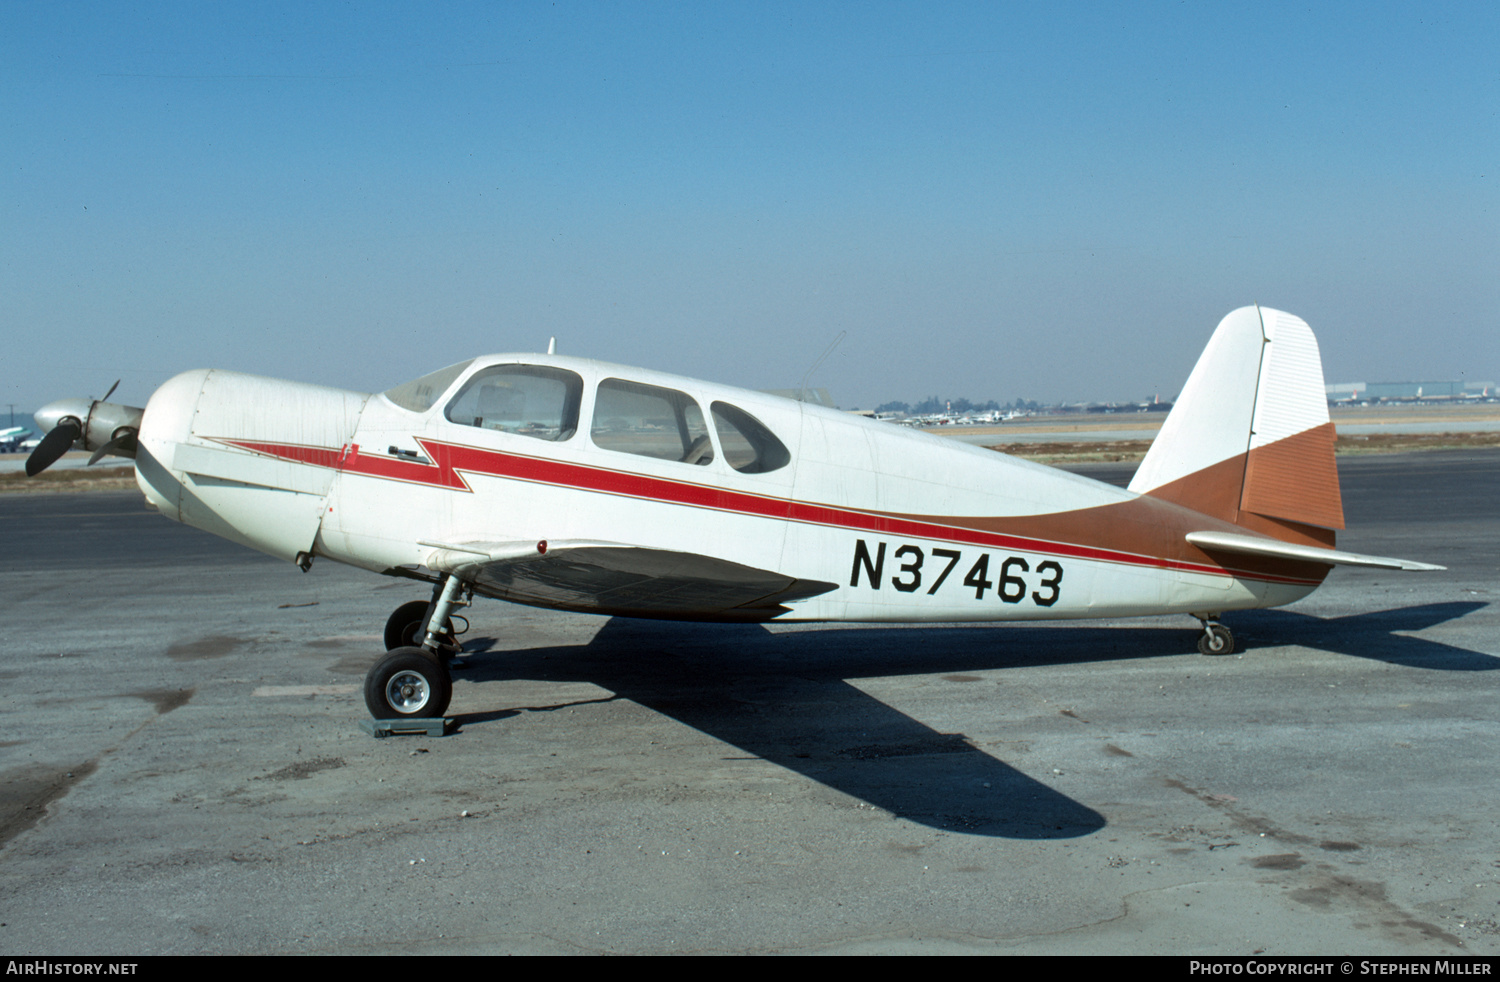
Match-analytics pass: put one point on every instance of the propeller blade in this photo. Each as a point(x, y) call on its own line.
point(53, 446)
point(123, 445)
point(111, 391)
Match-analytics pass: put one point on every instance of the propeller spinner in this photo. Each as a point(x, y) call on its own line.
point(89, 424)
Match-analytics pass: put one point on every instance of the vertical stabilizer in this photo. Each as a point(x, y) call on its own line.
point(1249, 439)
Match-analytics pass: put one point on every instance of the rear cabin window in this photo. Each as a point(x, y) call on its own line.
point(650, 421)
point(527, 400)
point(748, 446)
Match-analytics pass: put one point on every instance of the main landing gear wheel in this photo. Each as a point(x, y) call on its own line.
point(1216, 639)
point(408, 683)
point(404, 627)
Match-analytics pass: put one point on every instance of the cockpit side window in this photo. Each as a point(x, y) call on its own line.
point(650, 421)
point(420, 394)
point(749, 447)
point(528, 400)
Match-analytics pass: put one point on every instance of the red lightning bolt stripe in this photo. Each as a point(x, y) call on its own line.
point(450, 461)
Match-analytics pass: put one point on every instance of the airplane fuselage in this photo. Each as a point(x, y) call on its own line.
point(889, 524)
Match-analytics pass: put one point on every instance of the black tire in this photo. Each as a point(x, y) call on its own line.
point(408, 683)
point(402, 628)
point(1222, 642)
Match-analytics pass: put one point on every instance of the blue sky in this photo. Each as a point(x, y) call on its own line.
point(1052, 201)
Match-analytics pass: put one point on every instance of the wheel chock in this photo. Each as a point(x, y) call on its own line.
point(381, 728)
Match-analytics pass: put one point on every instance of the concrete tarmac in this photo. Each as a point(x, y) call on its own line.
point(182, 771)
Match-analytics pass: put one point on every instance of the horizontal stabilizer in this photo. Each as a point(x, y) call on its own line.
point(1257, 546)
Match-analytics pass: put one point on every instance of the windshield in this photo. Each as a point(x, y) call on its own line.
point(419, 395)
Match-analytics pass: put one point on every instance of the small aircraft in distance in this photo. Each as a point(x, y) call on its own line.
point(578, 485)
point(13, 438)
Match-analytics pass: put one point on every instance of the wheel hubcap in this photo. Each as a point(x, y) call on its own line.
point(407, 692)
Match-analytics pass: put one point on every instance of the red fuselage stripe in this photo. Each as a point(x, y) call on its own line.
point(450, 460)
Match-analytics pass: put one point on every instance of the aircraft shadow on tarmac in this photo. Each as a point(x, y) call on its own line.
point(785, 698)
point(1372, 635)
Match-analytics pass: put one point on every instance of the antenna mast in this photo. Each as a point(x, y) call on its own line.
point(802, 386)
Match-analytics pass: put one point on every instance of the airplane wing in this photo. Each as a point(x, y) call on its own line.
point(617, 578)
point(1256, 546)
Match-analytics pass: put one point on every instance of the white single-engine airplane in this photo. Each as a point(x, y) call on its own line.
point(578, 485)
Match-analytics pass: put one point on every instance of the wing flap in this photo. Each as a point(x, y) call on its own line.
point(1257, 546)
